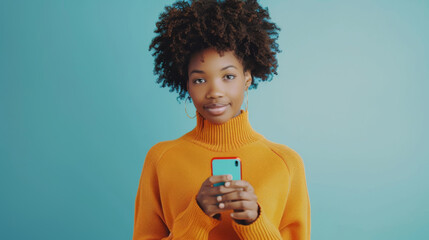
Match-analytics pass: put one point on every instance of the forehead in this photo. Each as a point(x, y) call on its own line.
point(210, 58)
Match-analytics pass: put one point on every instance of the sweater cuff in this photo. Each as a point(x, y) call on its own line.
point(260, 229)
point(193, 223)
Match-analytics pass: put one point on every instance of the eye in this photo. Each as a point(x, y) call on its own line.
point(199, 80)
point(229, 76)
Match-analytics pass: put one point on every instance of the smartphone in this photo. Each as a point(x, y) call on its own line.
point(226, 165)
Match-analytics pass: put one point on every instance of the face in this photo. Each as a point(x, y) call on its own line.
point(217, 84)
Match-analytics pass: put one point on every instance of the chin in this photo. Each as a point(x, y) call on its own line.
point(218, 119)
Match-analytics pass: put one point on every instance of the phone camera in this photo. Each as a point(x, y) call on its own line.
point(236, 163)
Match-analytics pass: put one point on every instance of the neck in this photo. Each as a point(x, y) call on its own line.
point(224, 137)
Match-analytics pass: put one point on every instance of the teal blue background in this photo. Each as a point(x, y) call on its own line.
point(79, 109)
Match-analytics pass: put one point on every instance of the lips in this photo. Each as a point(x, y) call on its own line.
point(216, 108)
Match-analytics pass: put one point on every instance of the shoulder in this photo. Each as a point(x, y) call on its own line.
point(289, 156)
point(158, 150)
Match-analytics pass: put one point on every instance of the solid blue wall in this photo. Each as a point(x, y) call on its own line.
point(79, 109)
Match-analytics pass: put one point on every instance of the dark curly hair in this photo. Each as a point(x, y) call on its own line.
point(187, 27)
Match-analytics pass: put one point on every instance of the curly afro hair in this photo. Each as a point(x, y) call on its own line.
point(187, 27)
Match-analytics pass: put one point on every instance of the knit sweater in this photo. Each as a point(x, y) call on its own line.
point(173, 171)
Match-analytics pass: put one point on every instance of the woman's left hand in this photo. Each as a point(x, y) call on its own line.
point(244, 203)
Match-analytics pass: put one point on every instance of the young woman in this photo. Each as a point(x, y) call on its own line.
point(212, 52)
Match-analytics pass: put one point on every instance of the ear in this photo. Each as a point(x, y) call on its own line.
point(247, 79)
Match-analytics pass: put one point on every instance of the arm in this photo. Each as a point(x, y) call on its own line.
point(148, 217)
point(149, 221)
point(295, 223)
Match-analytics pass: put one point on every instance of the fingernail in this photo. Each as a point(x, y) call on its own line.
point(221, 205)
point(232, 214)
point(227, 184)
point(229, 177)
point(219, 198)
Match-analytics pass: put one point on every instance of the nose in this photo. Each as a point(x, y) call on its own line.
point(215, 89)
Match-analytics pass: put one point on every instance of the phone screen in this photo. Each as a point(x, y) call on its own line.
point(226, 165)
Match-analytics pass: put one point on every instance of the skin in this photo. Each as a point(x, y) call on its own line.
point(216, 79)
point(216, 85)
point(234, 195)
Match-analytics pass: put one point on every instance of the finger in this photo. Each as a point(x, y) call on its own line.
point(248, 215)
point(215, 208)
point(207, 201)
point(240, 205)
point(220, 190)
point(242, 184)
point(239, 195)
point(212, 200)
point(217, 179)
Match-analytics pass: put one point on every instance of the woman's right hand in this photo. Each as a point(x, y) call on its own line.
point(209, 198)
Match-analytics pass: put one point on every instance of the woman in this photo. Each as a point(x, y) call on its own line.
point(212, 52)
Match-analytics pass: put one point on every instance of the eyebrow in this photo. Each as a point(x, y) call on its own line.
point(224, 68)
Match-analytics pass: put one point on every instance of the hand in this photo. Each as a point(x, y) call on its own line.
point(209, 197)
point(236, 195)
point(243, 202)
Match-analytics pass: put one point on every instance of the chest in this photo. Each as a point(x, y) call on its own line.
point(182, 174)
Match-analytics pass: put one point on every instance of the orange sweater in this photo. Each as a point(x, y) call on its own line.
point(173, 172)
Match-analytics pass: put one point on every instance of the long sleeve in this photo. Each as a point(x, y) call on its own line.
point(295, 223)
point(149, 221)
point(173, 171)
point(260, 229)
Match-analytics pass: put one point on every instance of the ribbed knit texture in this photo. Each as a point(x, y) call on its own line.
point(173, 171)
point(223, 137)
point(260, 229)
point(194, 222)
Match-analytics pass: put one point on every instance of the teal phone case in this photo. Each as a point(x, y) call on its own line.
point(226, 165)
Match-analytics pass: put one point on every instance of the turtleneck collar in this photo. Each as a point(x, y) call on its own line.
point(224, 137)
